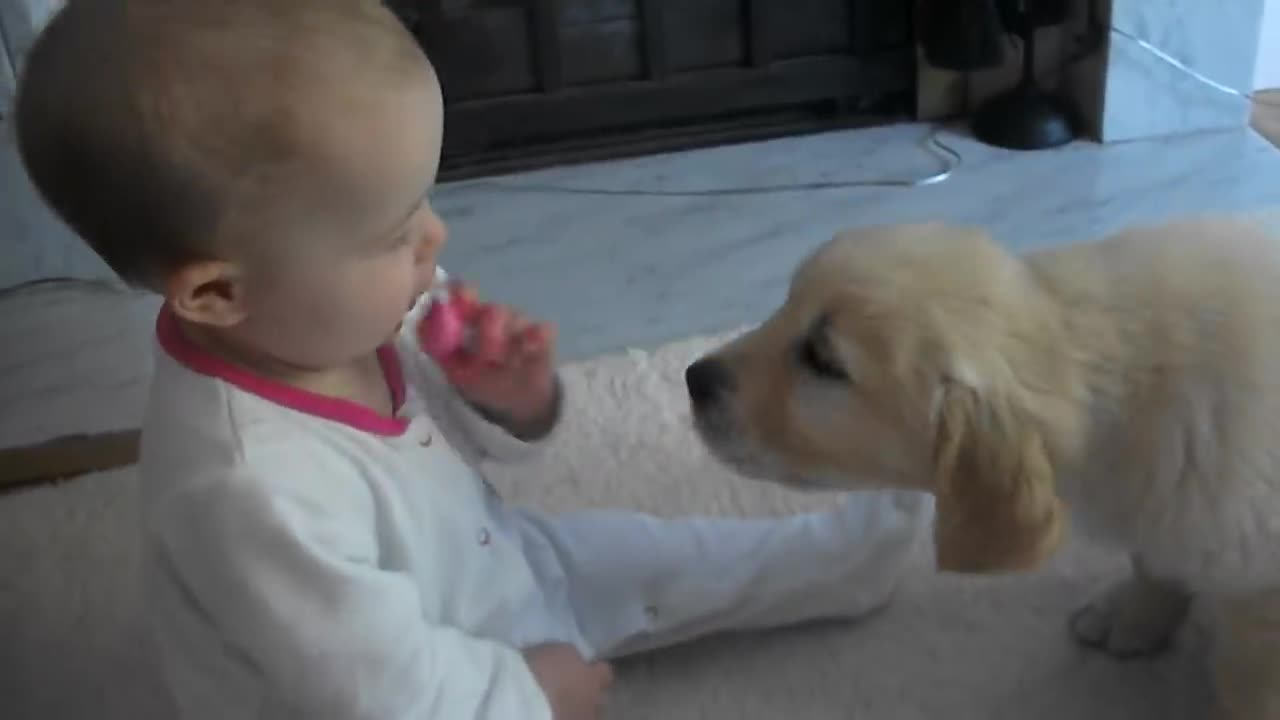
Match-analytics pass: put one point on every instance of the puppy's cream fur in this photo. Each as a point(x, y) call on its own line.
point(1129, 387)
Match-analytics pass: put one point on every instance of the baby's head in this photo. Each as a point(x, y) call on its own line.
point(263, 164)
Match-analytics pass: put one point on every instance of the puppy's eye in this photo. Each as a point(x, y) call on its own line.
point(816, 355)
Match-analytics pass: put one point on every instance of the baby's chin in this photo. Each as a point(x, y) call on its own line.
point(400, 325)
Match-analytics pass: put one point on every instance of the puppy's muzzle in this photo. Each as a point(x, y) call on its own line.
point(708, 380)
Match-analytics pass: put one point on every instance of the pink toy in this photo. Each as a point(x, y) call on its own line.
point(442, 331)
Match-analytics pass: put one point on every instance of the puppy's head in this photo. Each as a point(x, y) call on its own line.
point(910, 356)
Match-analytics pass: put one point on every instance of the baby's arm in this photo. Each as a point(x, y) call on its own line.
point(475, 433)
point(478, 433)
point(287, 572)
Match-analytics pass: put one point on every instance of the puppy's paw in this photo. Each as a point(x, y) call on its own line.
point(1133, 619)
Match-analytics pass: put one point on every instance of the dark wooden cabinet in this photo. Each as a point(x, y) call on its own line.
point(537, 82)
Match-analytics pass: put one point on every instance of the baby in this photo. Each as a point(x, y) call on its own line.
point(318, 539)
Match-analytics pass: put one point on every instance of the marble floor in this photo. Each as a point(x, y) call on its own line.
point(619, 271)
point(616, 272)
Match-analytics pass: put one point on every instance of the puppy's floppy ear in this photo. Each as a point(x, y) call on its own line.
point(997, 509)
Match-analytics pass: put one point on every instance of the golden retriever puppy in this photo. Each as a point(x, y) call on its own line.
point(1129, 388)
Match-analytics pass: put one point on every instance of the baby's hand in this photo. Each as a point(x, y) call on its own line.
point(576, 689)
point(500, 362)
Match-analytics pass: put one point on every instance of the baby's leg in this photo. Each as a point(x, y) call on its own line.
point(633, 582)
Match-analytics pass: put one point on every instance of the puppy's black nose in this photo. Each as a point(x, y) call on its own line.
point(707, 379)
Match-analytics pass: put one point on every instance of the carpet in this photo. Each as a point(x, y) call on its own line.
point(952, 647)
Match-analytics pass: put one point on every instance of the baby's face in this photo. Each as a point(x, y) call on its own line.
point(364, 244)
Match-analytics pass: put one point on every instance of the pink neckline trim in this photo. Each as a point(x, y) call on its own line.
point(180, 348)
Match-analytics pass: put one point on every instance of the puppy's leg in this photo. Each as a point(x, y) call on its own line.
point(1136, 617)
point(1246, 663)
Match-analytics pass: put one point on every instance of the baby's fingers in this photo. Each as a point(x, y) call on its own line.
point(491, 341)
point(532, 341)
point(465, 299)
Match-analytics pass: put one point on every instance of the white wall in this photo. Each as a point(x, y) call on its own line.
point(1267, 71)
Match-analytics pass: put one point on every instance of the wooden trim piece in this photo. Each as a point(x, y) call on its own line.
point(67, 457)
point(1266, 115)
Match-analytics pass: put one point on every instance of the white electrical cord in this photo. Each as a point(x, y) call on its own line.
point(951, 161)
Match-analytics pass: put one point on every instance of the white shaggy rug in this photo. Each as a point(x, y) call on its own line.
point(947, 647)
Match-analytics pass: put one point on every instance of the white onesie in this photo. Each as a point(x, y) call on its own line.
point(309, 558)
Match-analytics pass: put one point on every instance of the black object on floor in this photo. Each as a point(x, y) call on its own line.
point(1027, 117)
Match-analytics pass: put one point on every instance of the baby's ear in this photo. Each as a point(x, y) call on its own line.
point(997, 510)
point(207, 292)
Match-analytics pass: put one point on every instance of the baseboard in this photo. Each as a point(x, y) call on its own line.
point(66, 457)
